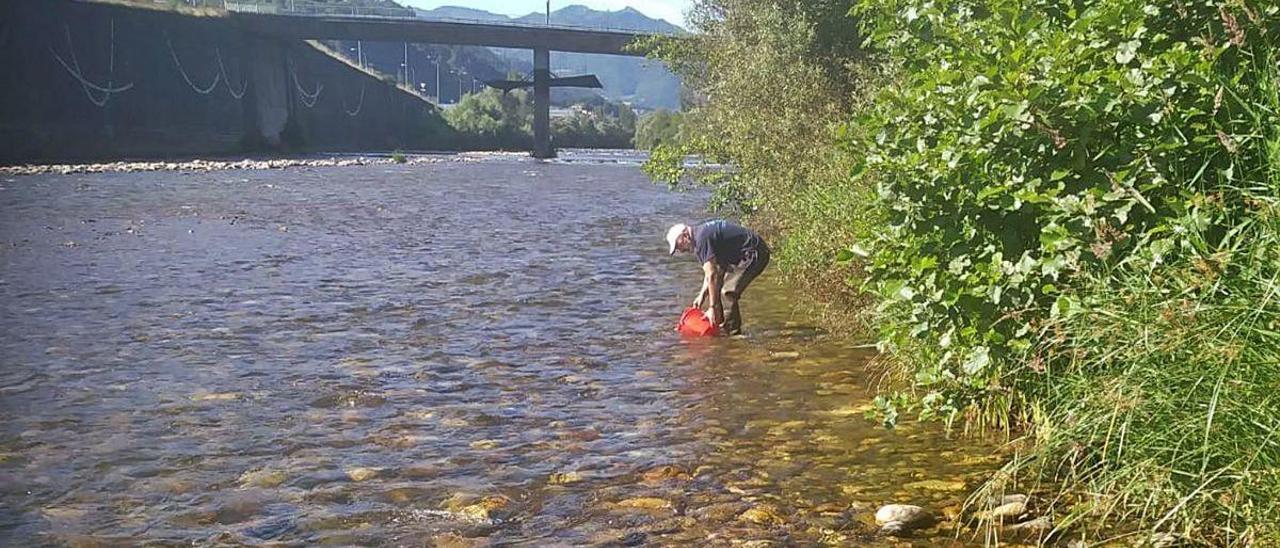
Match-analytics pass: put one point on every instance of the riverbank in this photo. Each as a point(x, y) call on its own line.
point(253, 164)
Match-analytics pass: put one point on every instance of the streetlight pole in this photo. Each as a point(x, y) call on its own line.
point(406, 62)
point(437, 61)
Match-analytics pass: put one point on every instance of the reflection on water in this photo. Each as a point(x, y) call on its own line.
point(429, 354)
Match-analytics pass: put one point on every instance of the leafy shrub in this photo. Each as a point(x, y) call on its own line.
point(661, 126)
point(1023, 146)
point(769, 86)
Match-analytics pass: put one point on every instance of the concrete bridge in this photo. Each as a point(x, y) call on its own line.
point(304, 24)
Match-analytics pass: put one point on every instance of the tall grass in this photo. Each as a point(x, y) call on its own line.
point(1158, 406)
point(1165, 412)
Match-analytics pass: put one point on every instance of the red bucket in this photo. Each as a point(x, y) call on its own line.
point(694, 323)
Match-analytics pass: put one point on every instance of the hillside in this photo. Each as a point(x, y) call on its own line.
point(644, 83)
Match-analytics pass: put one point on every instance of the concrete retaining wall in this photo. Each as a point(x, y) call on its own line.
point(86, 81)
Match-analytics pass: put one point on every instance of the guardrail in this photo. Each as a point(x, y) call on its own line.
point(308, 8)
point(305, 8)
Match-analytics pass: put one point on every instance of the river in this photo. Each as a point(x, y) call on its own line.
point(456, 353)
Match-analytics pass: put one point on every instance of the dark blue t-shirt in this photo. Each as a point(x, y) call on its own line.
point(724, 241)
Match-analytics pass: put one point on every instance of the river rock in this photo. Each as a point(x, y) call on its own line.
point(478, 509)
point(762, 514)
point(362, 474)
point(216, 396)
point(484, 444)
point(564, 478)
point(896, 519)
point(719, 512)
point(1002, 500)
point(454, 540)
point(262, 477)
point(936, 485)
point(1038, 525)
point(1007, 510)
point(662, 473)
point(488, 509)
point(646, 503)
point(906, 513)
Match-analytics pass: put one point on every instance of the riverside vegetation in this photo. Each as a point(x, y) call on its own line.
point(1058, 219)
point(496, 119)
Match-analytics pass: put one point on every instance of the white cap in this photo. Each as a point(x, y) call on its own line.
point(673, 234)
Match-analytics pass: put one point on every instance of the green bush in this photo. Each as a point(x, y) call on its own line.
point(661, 126)
point(1064, 211)
point(769, 86)
point(493, 119)
point(1081, 238)
point(1024, 146)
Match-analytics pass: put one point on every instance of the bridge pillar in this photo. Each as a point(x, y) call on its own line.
point(542, 104)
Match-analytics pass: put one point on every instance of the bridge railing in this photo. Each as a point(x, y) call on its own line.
point(304, 7)
point(311, 8)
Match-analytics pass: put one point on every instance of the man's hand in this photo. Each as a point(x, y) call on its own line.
point(712, 279)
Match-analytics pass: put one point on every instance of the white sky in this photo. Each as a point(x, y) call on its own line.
point(671, 10)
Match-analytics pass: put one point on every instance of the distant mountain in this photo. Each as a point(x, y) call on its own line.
point(575, 15)
point(458, 12)
point(644, 83)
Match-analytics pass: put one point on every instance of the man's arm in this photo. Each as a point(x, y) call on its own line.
point(713, 276)
point(702, 294)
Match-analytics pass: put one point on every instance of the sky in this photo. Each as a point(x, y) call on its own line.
point(671, 10)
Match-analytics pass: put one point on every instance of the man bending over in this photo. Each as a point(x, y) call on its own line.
point(731, 256)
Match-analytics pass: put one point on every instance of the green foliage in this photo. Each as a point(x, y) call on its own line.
point(1024, 146)
point(494, 118)
point(398, 157)
point(1081, 237)
point(661, 126)
point(1063, 213)
point(602, 125)
point(769, 86)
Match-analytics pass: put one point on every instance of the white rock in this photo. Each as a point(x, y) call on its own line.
point(1009, 510)
point(902, 513)
point(1040, 524)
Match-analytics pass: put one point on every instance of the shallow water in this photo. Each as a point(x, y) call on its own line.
point(473, 352)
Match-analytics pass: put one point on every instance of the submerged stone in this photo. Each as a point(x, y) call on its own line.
point(488, 509)
point(1007, 510)
point(646, 503)
point(216, 396)
point(762, 514)
point(262, 477)
point(362, 474)
point(718, 512)
point(662, 473)
point(564, 478)
point(936, 485)
point(1037, 525)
